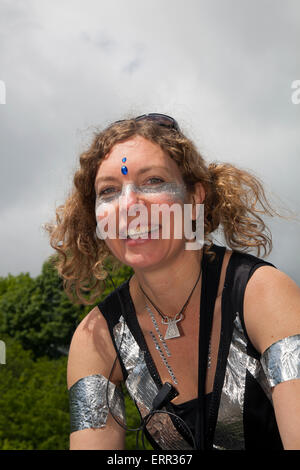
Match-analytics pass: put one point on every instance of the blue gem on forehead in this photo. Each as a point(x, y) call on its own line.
point(124, 168)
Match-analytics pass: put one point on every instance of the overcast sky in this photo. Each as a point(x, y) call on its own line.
point(222, 68)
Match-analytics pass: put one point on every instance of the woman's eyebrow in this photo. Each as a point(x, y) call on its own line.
point(139, 172)
point(105, 178)
point(152, 167)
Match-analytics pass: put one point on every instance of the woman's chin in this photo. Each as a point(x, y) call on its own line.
point(142, 260)
point(145, 253)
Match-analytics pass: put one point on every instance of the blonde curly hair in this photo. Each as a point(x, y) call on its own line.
point(235, 200)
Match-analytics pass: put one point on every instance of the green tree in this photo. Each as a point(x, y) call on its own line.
point(34, 409)
point(34, 403)
point(39, 314)
point(37, 321)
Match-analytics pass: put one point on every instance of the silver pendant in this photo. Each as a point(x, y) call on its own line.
point(172, 330)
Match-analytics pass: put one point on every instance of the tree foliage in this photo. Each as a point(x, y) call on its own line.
point(34, 410)
point(37, 321)
point(38, 313)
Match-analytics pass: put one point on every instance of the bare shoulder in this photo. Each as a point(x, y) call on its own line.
point(92, 350)
point(271, 307)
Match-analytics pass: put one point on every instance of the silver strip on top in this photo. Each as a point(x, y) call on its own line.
point(143, 390)
point(229, 432)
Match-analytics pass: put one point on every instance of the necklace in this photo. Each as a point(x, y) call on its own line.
point(159, 349)
point(172, 329)
point(163, 358)
point(158, 331)
point(162, 340)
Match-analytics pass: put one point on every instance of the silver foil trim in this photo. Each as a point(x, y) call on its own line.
point(281, 360)
point(229, 433)
point(139, 383)
point(88, 405)
point(143, 390)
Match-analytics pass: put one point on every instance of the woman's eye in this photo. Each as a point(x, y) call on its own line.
point(155, 179)
point(106, 191)
point(112, 190)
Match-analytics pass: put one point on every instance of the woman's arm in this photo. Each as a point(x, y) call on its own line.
point(91, 357)
point(271, 313)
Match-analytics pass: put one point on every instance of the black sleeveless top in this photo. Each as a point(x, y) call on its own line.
point(188, 411)
point(238, 414)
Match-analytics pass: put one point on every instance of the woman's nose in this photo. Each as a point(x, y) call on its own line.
point(128, 197)
point(131, 205)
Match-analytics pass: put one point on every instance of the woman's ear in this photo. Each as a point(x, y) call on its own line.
point(198, 198)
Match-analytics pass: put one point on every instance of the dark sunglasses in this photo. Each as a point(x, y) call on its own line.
point(160, 119)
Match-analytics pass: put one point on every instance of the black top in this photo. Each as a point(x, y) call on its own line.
point(188, 410)
point(238, 414)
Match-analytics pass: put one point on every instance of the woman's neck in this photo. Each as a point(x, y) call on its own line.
point(169, 286)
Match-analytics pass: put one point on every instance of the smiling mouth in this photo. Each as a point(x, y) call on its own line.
point(139, 232)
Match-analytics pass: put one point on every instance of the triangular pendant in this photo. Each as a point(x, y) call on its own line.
point(172, 330)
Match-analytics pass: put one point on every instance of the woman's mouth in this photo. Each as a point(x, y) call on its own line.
point(138, 232)
point(141, 235)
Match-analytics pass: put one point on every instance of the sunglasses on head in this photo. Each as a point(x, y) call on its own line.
point(160, 119)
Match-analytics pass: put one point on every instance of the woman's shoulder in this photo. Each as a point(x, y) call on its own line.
point(271, 307)
point(92, 350)
point(91, 326)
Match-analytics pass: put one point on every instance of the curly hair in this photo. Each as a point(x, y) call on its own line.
point(235, 200)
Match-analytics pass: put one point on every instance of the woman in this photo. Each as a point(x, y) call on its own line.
point(206, 340)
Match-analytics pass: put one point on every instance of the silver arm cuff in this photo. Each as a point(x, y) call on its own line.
point(281, 360)
point(88, 405)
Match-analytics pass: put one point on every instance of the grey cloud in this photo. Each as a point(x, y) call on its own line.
point(101, 40)
point(133, 65)
point(222, 68)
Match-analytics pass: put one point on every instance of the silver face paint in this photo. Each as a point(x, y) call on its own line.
point(281, 361)
point(106, 207)
point(88, 405)
point(176, 191)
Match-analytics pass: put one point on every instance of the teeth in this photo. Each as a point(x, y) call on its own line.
point(138, 232)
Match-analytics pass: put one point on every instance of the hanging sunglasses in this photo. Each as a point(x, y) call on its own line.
point(160, 119)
